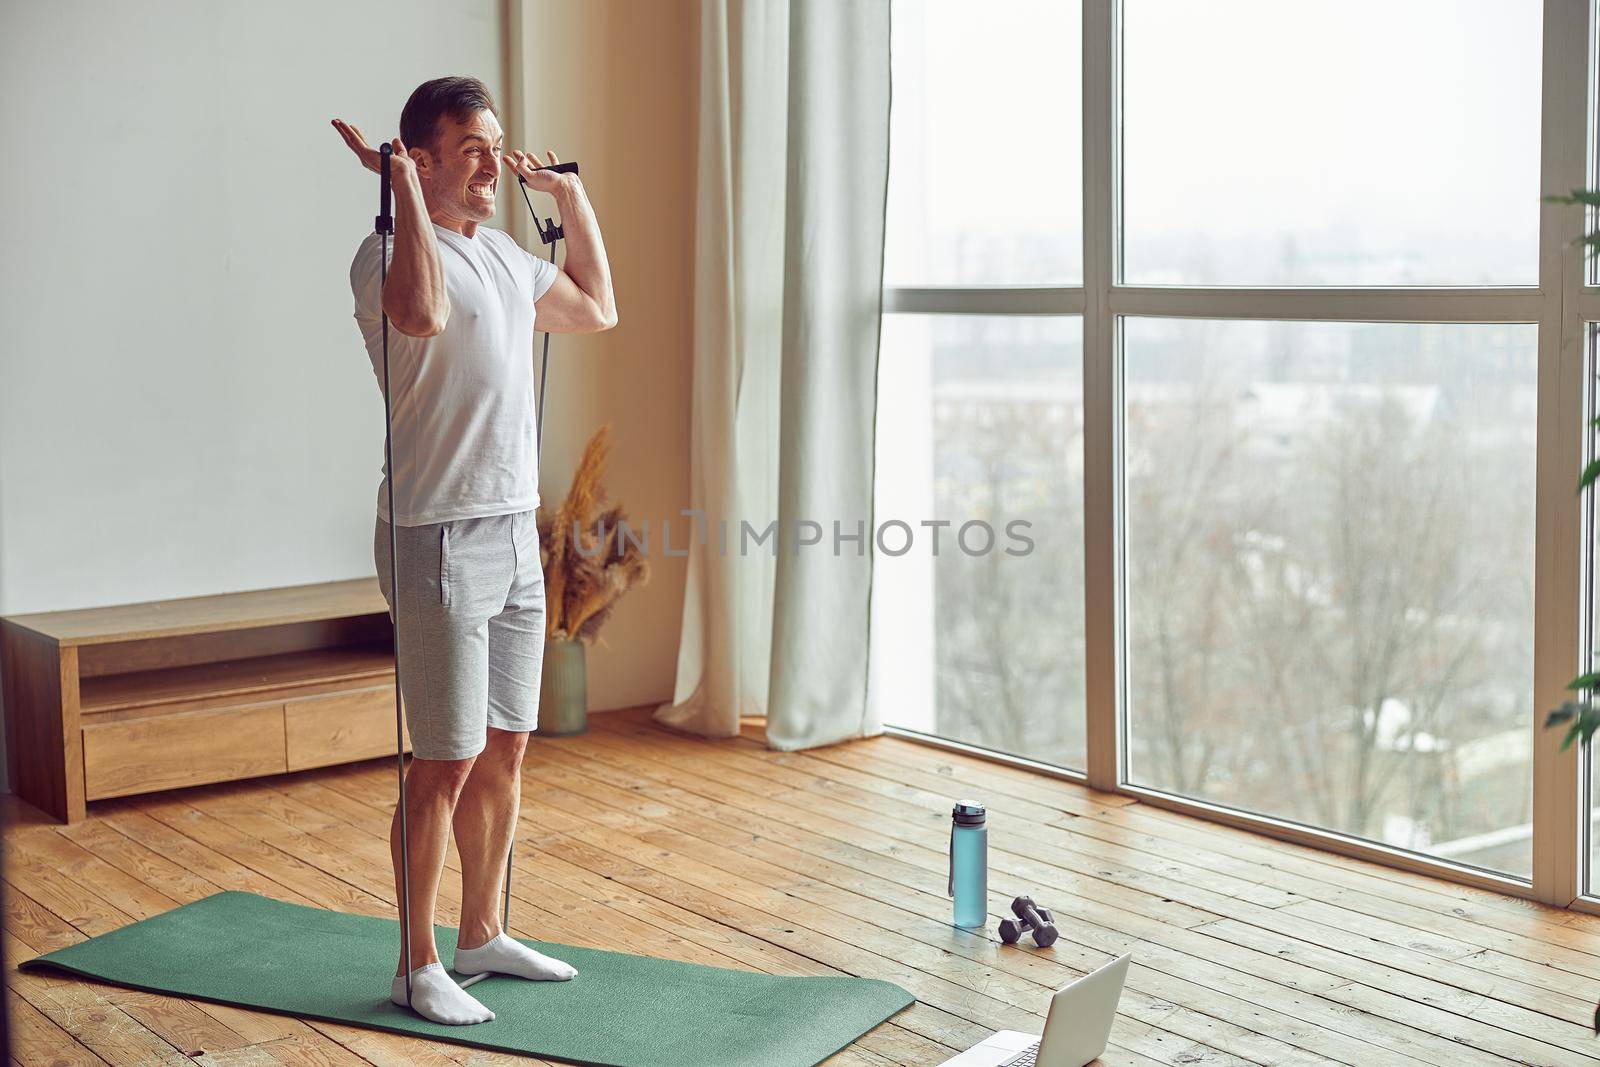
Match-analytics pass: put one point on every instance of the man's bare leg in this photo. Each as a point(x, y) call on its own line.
point(485, 822)
point(433, 788)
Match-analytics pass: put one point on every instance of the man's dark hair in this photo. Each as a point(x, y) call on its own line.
point(460, 98)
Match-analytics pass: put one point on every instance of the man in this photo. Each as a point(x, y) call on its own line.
point(462, 300)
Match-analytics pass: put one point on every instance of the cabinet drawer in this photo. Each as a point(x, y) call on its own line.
point(340, 728)
point(190, 748)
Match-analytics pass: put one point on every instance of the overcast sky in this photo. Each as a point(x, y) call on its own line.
point(1366, 130)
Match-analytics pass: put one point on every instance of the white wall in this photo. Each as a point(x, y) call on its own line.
point(185, 405)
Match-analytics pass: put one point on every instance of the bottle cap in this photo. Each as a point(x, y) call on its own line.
point(968, 813)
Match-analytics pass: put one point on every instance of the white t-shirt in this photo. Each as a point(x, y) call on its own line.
point(463, 404)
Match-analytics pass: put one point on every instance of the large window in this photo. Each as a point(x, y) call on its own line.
point(985, 181)
point(1347, 142)
point(1255, 307)
point(1330, 575)
point(980, 423)
point(980, 417)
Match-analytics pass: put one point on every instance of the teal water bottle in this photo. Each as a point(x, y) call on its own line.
point(969, 864)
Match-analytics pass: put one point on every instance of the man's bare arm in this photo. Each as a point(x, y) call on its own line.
point(581, 300)
point(414, 296)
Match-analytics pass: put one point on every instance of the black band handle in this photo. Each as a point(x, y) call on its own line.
point(385, 220)
point(559, 168)
point(549, 233)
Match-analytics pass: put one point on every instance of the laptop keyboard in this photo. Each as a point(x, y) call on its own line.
point(1025, 1058)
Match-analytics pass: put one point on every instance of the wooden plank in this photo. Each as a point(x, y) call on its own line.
point(35, 1040)
point(928, 1022)
point(1351, 884)
point(267, 860)
point(62, 896)
point(95, 1025)
point(41, 701)
point(1013, 831)
point(987, 996)
point(1556, 968)
point(1528, 1024)
point(920, 838)
point(43, 931)
point(160, 872)
point(138, 861)
point(797, 936)
point(215, 867)
point(832, 861)
point(240, 680)
point(360, 864)
point(341, 727)
point(1521, 976)
point(1525, 1024)
point(226, 611)
point(1199, 951)
point(792, 928)
point(336, 1044)
point(130, 895)
point(93, 1021)
point(139, 755)
point(363, 858)
point(156, 653)
point(1067, 797)
point(810, 881)
point(551, 876)
point(893, 753)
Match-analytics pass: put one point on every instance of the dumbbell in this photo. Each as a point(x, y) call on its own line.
point(1029, 917)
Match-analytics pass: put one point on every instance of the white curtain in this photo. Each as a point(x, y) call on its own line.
point(792, 177)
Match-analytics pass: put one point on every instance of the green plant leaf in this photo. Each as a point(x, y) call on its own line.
point(1577, 196)
point(1585, 681)
point(1583, 717)
point(1590, 473)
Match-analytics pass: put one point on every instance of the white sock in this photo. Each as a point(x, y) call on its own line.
point(507, 955)
point(435, 996)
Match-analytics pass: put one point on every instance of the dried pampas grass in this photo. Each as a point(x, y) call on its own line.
point(588, 561)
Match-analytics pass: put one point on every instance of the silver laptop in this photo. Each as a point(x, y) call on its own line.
point(1075, 1031)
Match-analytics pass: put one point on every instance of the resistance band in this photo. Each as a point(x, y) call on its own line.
point(549, 233)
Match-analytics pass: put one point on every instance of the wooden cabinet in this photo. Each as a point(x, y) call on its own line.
point(109, 702)
point(339, 727)
point(188, 748)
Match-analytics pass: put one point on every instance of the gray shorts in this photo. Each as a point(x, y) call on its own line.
point(472, 629)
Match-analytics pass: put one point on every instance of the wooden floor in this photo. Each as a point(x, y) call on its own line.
point(828, 862)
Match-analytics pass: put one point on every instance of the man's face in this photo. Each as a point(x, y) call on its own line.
point(464, 174)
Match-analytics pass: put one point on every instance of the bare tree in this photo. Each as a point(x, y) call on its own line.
point(1009, 627)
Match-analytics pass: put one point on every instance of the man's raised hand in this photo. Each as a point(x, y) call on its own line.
point(369, 156)
point(534, 173)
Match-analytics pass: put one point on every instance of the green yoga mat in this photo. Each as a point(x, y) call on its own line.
point(621, 1010)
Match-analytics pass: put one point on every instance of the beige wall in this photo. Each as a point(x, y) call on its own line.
point(611, 83)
